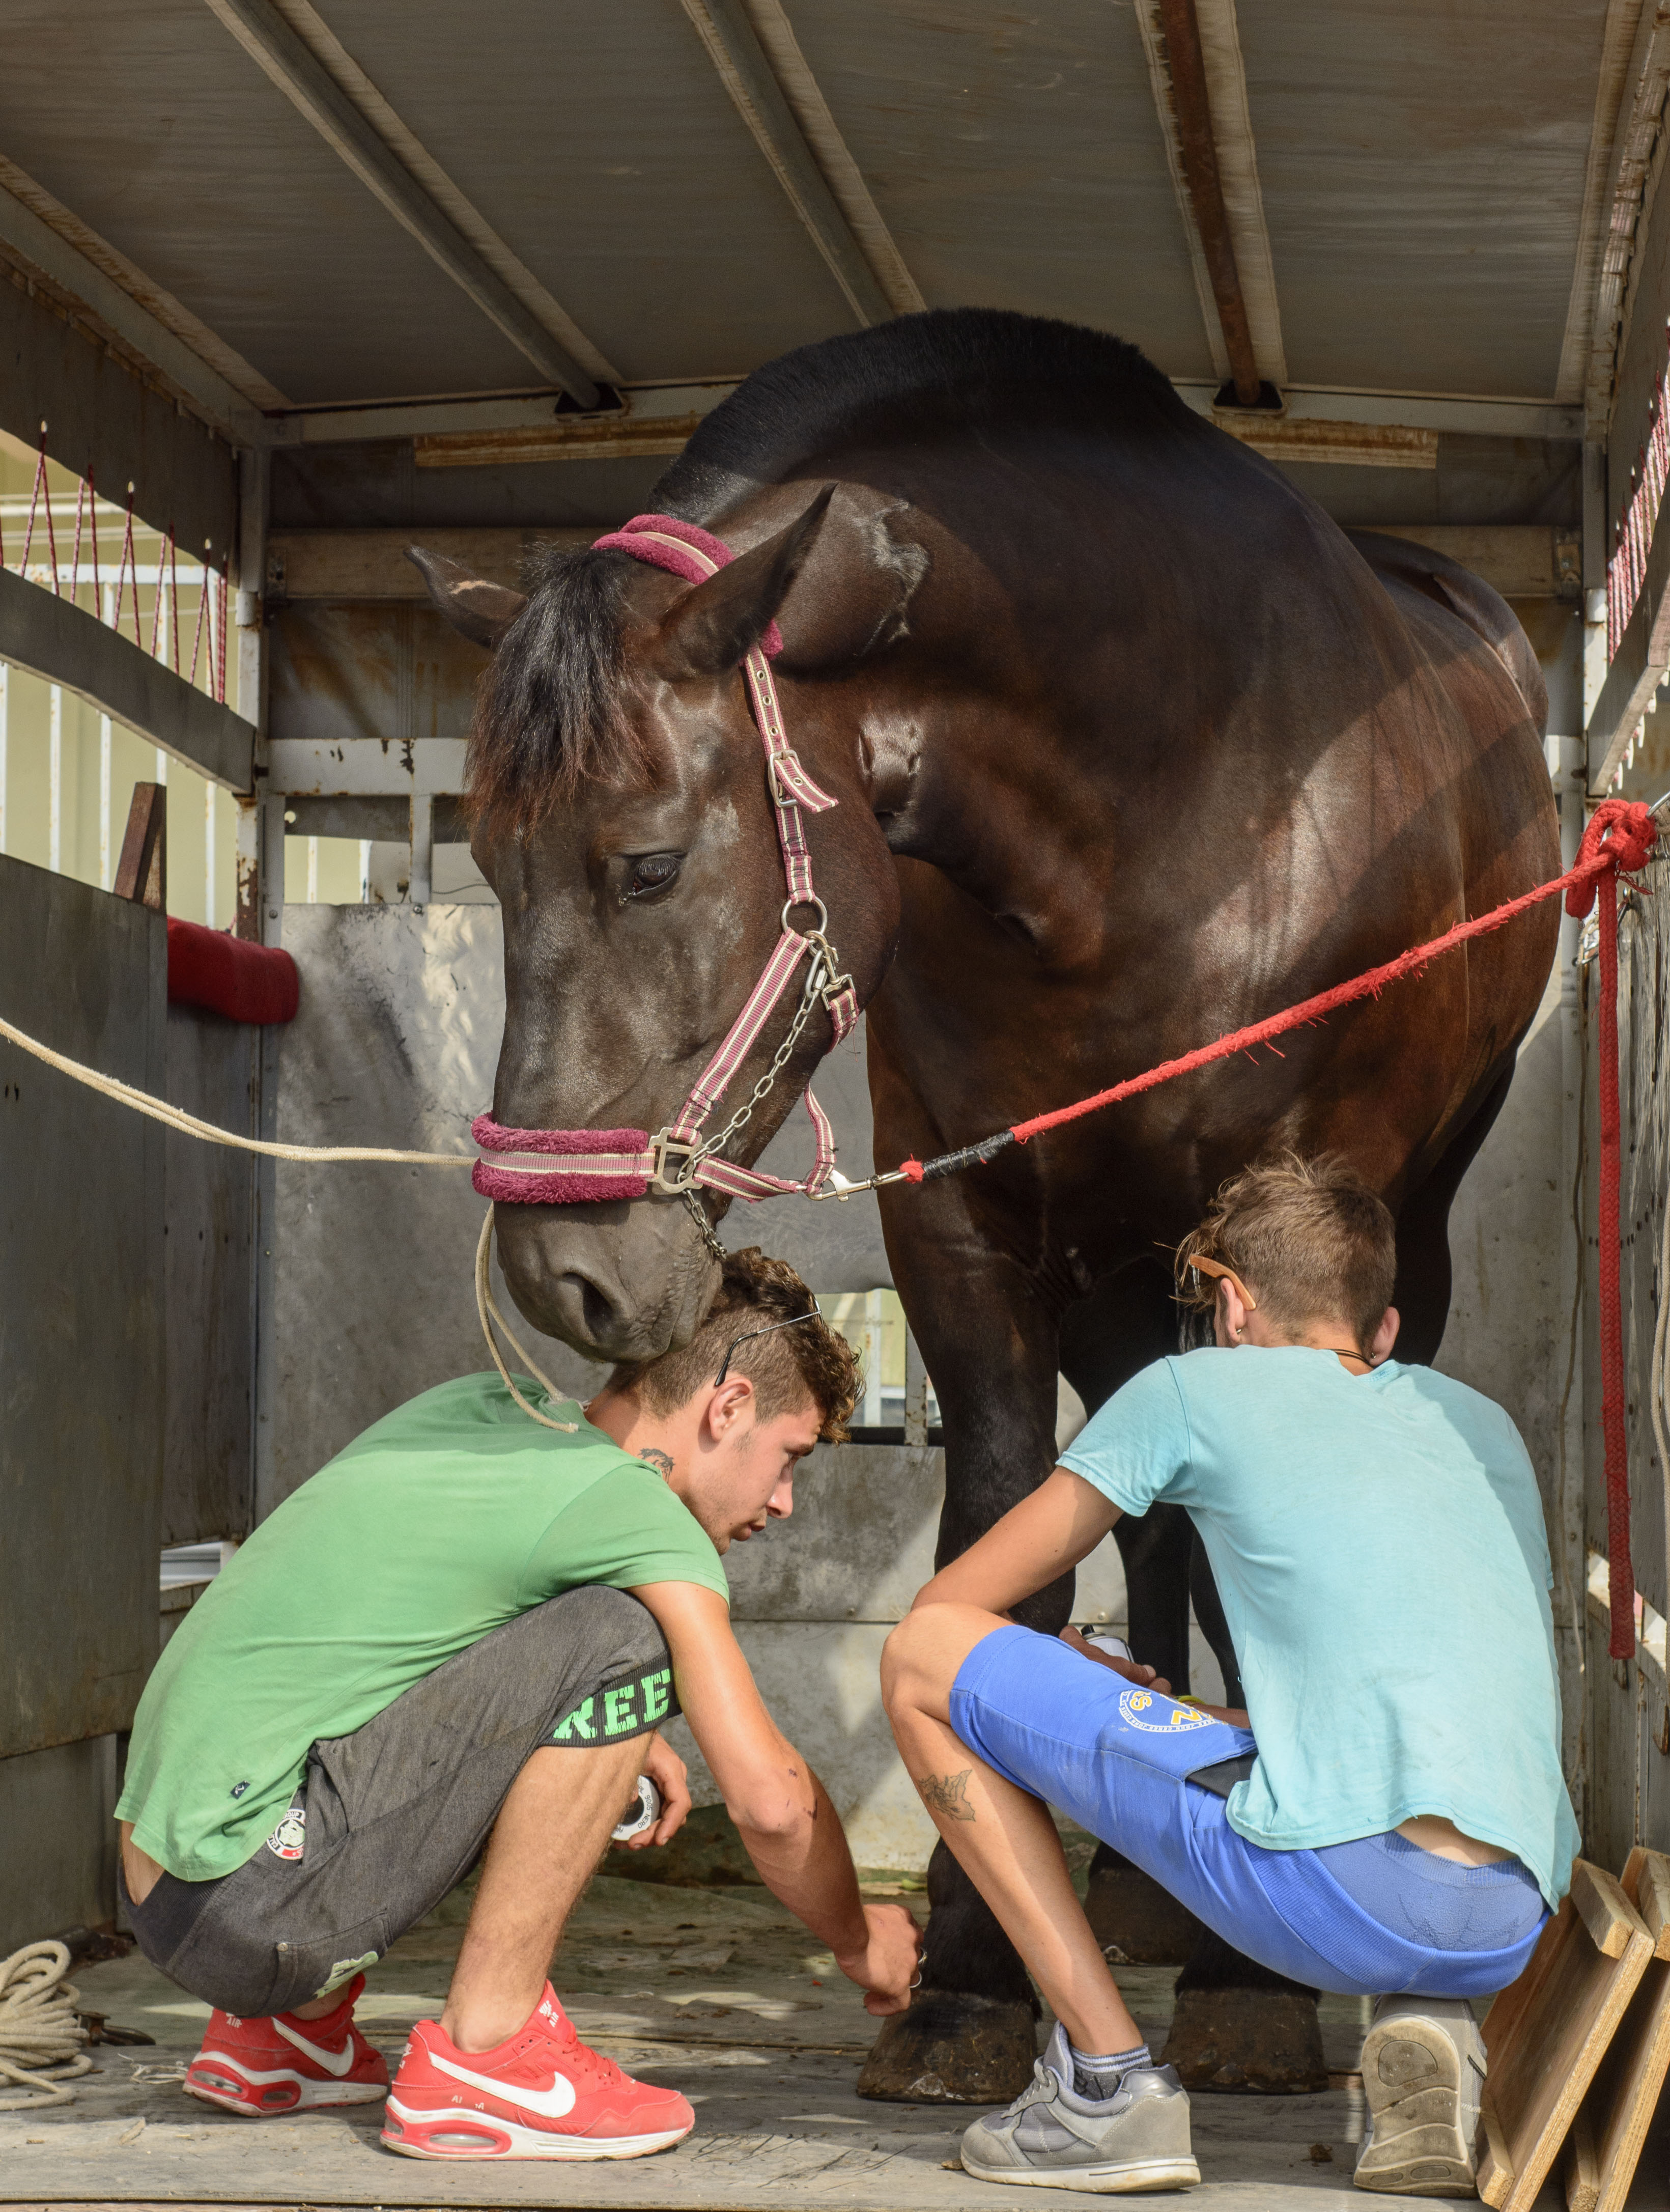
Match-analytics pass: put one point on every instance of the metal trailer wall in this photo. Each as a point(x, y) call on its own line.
point(81, 1382)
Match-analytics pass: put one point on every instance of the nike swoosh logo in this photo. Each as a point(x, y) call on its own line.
point(553, 2103)
point(333, 2062)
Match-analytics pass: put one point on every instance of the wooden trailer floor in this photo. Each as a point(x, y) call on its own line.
point(716, 1991)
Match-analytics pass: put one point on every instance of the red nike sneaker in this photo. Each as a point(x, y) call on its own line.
point(263, 2067)
point(542, 2094)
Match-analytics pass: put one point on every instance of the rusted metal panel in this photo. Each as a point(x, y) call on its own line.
point(212, 1072)
point(372, 564)
point(103, 420)
point(394, 672)
point(82, 1304)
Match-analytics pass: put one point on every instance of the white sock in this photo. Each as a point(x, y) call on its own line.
point(1097, 2076)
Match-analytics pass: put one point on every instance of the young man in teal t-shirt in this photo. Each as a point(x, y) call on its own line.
point(1386, 1817)
point(469, 1625)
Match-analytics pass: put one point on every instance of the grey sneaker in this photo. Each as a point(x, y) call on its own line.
point(1055, 2139)
point(1423, 2072)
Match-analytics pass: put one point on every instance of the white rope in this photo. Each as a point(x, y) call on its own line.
point(188, 1125)
point(487, 1308)
point(40, 2037)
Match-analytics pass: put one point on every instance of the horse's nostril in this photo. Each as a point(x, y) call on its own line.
point(598, 1311)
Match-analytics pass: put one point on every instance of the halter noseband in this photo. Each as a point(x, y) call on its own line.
point(570, 1167)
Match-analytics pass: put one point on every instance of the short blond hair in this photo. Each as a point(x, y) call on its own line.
point(1309, 1239)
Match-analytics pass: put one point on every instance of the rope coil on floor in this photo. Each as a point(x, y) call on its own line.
point(40, 2037)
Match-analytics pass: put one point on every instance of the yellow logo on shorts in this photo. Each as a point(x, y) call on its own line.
point(1157, 1715)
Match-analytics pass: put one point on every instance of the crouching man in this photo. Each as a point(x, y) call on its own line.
point(470, 1625)
point(1386, 1818)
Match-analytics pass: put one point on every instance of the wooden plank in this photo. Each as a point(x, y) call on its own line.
point(1583, 2167)
point(65, 644)
point(1607, 1912)
point(1520, 559)
point(1547, 2035)
point(372, 564)
point(1651, 1897)
point(1619, 2108)
point(1496, 2167)
point(1364, 445)
point(141, 873)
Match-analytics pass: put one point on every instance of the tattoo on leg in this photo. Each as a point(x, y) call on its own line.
point(653, 1455)
point(947, 1794)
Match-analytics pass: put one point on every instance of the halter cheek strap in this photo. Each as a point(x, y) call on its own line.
point(570, 1167)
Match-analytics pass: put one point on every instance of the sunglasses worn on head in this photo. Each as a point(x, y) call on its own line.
point(1198, 1265)
point(748, 1335)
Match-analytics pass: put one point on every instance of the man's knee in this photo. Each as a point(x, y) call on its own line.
point(924, 1655)
point(628, 1685)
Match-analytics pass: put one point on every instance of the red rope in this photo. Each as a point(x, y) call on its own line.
point(1619, 838)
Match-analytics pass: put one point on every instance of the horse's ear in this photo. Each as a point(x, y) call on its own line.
point(481, 611)
point(717, 624)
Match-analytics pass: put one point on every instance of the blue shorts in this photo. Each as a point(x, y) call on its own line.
point(1115, 1757)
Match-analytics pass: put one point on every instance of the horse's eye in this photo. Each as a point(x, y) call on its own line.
point(653, 872)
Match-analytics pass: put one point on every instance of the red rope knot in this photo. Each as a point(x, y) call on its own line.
point(1623, 832)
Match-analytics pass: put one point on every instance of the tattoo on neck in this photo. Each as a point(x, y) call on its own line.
point(947, 1794)
point(653, 1455)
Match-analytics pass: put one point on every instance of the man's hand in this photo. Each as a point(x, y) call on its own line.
point(667, 1770)
point(888, 1965)
point(1130, 1668)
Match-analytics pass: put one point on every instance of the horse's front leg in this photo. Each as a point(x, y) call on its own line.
point(988, 1338)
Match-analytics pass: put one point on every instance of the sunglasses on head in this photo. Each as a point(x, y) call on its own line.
point(748, 1336)
point(1198, 1265)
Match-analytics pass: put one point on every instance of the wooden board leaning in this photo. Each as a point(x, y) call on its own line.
point(1605, 2142)
point(1547, 2035)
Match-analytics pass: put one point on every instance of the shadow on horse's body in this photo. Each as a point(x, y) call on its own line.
point(1131, 745)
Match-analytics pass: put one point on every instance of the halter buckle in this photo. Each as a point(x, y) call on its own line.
point(663, 1147)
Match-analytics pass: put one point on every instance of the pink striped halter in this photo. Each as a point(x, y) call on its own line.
point(567, 1167)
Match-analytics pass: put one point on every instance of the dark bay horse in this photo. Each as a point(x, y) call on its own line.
point(1132, 745)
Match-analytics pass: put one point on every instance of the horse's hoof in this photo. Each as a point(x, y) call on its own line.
point(952, 2047)
point(1136, 1922)
point(1261, 2042)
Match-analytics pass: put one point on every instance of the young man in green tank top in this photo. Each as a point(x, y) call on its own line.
point(470, 1625)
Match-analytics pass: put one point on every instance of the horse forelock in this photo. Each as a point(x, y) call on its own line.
point(553, 712)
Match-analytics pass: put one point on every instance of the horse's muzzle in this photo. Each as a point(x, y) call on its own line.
point(617, 1281)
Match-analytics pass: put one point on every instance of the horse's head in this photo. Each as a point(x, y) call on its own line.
point(622, 815)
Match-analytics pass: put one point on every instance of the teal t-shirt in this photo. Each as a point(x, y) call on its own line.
point(448, 1518)
point(1379, 1547)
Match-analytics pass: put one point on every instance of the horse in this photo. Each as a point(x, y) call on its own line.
point(1119, 743)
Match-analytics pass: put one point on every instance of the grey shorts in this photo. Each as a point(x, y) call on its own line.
point(386, 1821)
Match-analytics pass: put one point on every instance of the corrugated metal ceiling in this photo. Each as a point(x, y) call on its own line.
point(1422, 166)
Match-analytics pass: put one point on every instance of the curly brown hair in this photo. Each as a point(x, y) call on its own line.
point(786, 1368)
point(1309, 1239)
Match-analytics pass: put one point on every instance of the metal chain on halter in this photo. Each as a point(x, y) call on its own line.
point(810, 998)
point(821, 965)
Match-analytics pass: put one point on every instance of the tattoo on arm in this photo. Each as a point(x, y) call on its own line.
point(947, 1794)
point(653, 1455)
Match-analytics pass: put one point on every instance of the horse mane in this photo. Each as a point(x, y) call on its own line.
point(552, 711)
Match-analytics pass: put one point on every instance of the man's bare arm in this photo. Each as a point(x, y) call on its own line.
point(785, 1819)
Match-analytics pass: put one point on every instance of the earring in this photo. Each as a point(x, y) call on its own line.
point(1240, 1332)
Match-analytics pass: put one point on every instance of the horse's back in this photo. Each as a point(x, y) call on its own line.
point(1404, 567)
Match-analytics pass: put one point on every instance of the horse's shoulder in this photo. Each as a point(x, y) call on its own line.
point(1445, 583)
